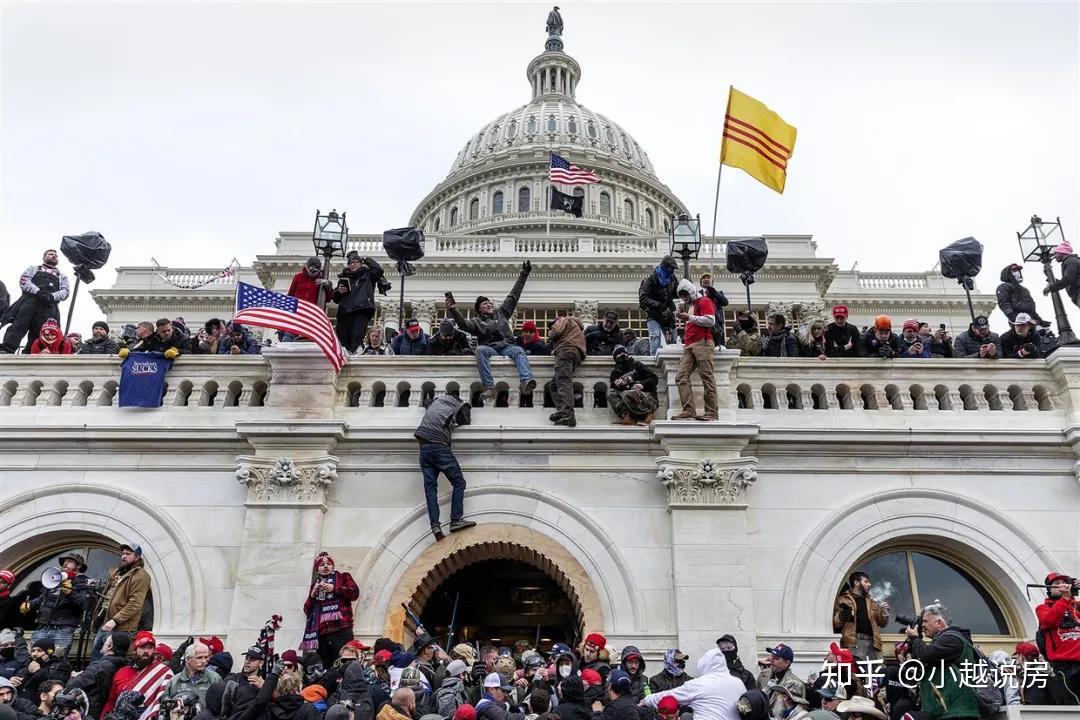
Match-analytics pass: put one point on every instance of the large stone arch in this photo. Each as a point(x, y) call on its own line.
point(38, 516)
point(562, 534)
point(1002, 550)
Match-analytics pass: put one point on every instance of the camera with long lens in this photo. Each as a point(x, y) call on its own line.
point(67, 702)
point(186, 700)
point(911, 621)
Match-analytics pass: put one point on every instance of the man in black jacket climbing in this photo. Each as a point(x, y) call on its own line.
point(1014, 298)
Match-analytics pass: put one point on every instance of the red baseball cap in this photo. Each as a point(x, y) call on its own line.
point(164, 651)
point(839, 310)
point(668, 705)
point(590, 677)
point(144, 637)
point(356, 645)
point(382, 657)
point(529, 326)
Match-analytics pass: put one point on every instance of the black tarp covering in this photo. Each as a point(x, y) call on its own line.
point(86, 252)
point(404, 245)
point(747, 254)
point(961, 259)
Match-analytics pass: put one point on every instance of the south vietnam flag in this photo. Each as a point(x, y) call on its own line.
point(756, 140)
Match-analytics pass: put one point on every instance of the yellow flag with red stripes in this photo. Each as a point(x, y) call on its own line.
point(756, 140)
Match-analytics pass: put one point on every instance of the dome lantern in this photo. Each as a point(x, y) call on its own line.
point(554, 72)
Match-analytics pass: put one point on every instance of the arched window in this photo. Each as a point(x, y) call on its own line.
point(474, 209)
point(910, 579)
point(590, 129)
point(438, 222)
point(571, 125)
point(552, 124)
point(493, 136)
point(628, 210)
point(649, 222)
point(512, 132)
point(667, 226)
point(626, 146)
point(609, 135)
point(605, 204)
point(453, 217)
point(530, 128)
point(497, 203)
point(523, 200)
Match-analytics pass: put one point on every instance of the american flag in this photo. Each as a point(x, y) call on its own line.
point(561, 171)
point(266, 308)
point(152, 682)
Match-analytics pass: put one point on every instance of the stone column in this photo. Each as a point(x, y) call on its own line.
point(585, 311)
point(388, 312)
point(423, 309)
point(706, 480)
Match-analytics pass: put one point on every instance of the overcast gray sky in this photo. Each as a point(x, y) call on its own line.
point(194, 132)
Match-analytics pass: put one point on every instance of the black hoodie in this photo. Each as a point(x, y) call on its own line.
point(572, 704)
point(639, 681)
point(1013, 298)
point(735, 665)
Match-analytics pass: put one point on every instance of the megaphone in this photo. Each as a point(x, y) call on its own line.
point(52, 577)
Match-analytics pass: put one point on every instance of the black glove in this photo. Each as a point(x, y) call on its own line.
point(44, 295)
point(526, 267)
point(846, 614)
point(479, 671)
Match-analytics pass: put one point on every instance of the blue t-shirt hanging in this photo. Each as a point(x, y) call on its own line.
point(142, 379)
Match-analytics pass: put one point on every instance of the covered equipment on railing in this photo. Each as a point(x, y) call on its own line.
point(404, 245)
point(746, 256)
point(87, 252)
point(962, 260)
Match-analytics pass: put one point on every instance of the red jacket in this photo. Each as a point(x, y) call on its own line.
point(1062, 644)
point(346, 592)
point(696, 333)
point(305, 287)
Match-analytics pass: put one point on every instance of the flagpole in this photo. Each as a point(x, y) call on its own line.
point(547, 203)
point(716, 207)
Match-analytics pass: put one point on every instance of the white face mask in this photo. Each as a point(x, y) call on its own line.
point(1018, 277)
point(564, 671)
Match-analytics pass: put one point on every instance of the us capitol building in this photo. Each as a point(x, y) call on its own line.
point(954, 480)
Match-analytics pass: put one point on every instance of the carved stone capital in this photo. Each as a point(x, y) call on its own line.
point(585, 311)
point(389, 309)
point(707, 483)
point(285, 482)
point(423, 309)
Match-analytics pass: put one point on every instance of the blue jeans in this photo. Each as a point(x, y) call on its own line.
point(99, 642)
point(60, 635)
point(655, 333)
point(435, 459)
point(484, 354)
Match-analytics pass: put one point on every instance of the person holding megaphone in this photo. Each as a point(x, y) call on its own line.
point(61, 604)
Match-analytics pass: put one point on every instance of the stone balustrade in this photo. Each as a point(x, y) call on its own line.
point(754, 389)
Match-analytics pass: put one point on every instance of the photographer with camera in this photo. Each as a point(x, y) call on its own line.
point(1059, 633)
point(978, 341)
point(943, 692)
point(858, 618)
point(146, 674)
point(355, 296)
point(70, 704)
point(879, 339)
point(939, 341)
point(1020, 341)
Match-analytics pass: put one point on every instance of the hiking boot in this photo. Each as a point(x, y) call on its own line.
point(456, 525)
point(556, 415)
point(566, 420)
point(707, 417)
point(528, 386)
point(685, 415)
point(488, 395)
point(624, 421)
point(436, 530)
point(647, 420)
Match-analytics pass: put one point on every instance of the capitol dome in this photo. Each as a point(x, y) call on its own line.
point(498, 182)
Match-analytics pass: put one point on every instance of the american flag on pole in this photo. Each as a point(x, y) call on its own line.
point(152, 682)
point(561, 171)
point(265, 308)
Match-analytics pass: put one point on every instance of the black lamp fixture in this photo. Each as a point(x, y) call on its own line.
point(1037, 243)
point(329, 238)
point(686, 239)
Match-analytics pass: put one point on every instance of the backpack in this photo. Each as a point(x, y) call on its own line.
point(990, 699)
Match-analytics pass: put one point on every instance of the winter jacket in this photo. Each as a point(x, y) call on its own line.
point(1011, 344)
point(942, 694)
point(536, 347)
point(1070, 278)
point(402, 344)
point(871, 346)
point(496, 329)
point(361, 294)
point(639, 375)
point(906, 352)
point(346, 593)
point(702, 315)
point(712, 695)
point(291, 707)
point(488, 709)
point(104, 346)
point(1062, 643)
point(657, 300)
point(664, 680)
point(599, 341)
point(940, 348)
point(383, 349)
point(390, 712)
point(719, 300)
point(248, 345)
point(96, 680)
point(780, 344)
point(57, 608)
point(181, 681)
point(967, 344)
point(126, 590)
point(812, 347)
point(57, 668)
point(16, 664)
point(767, 681)
point(155, 343)
point(456, 344)
point(735, 665)
point(572, 703)
point(449, 696)
point(567, 334)
point(1012, 297)
point(59, 345)
point(623, 707)
point(747, 339)
point(441, 417)
point(305, 287)
point(25, 709)
point(639, 682)
point(836, 338)
point(355, 687)
point(846, 627)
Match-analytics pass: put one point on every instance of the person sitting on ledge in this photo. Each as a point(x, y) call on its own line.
point(978, 341)
point(530, 341)
point(1020, 341)
point(448, 340)
point(413, 341)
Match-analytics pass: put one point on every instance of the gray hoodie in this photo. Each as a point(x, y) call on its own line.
point(442, 415)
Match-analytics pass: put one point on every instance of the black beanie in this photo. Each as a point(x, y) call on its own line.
point(480, 299)
point(121, 643)
point(101, 324)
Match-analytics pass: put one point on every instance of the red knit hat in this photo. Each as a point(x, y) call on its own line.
point(529, 326)
point(590, 677)
point(164, 651)
point(319, 559)
point(1028, 650)
point(668, 705)
point(465, 712)
point(596, 639)
point(213, 643)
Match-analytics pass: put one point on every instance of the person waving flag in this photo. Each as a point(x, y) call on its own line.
point(265, 308)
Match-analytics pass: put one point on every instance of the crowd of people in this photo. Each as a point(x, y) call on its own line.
point(936, 672)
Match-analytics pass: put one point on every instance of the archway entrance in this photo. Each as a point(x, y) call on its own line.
point(507, 580)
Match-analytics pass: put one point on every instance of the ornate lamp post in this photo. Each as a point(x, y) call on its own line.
point(329, 238)
point(686, 239)
point(1037, 245)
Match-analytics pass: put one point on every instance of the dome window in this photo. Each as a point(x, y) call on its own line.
point(649, 221)
point(532, 126)
point(493, 136)
point(605, 204)
point(590, 130)
point(512, 132)
point(497, 203)
point(523, 200)
point(552, 124)
point(571, 125)
point(453, 217)
point(474, 209)
point(628, 210)
point(626, 147)
point(609, 135)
